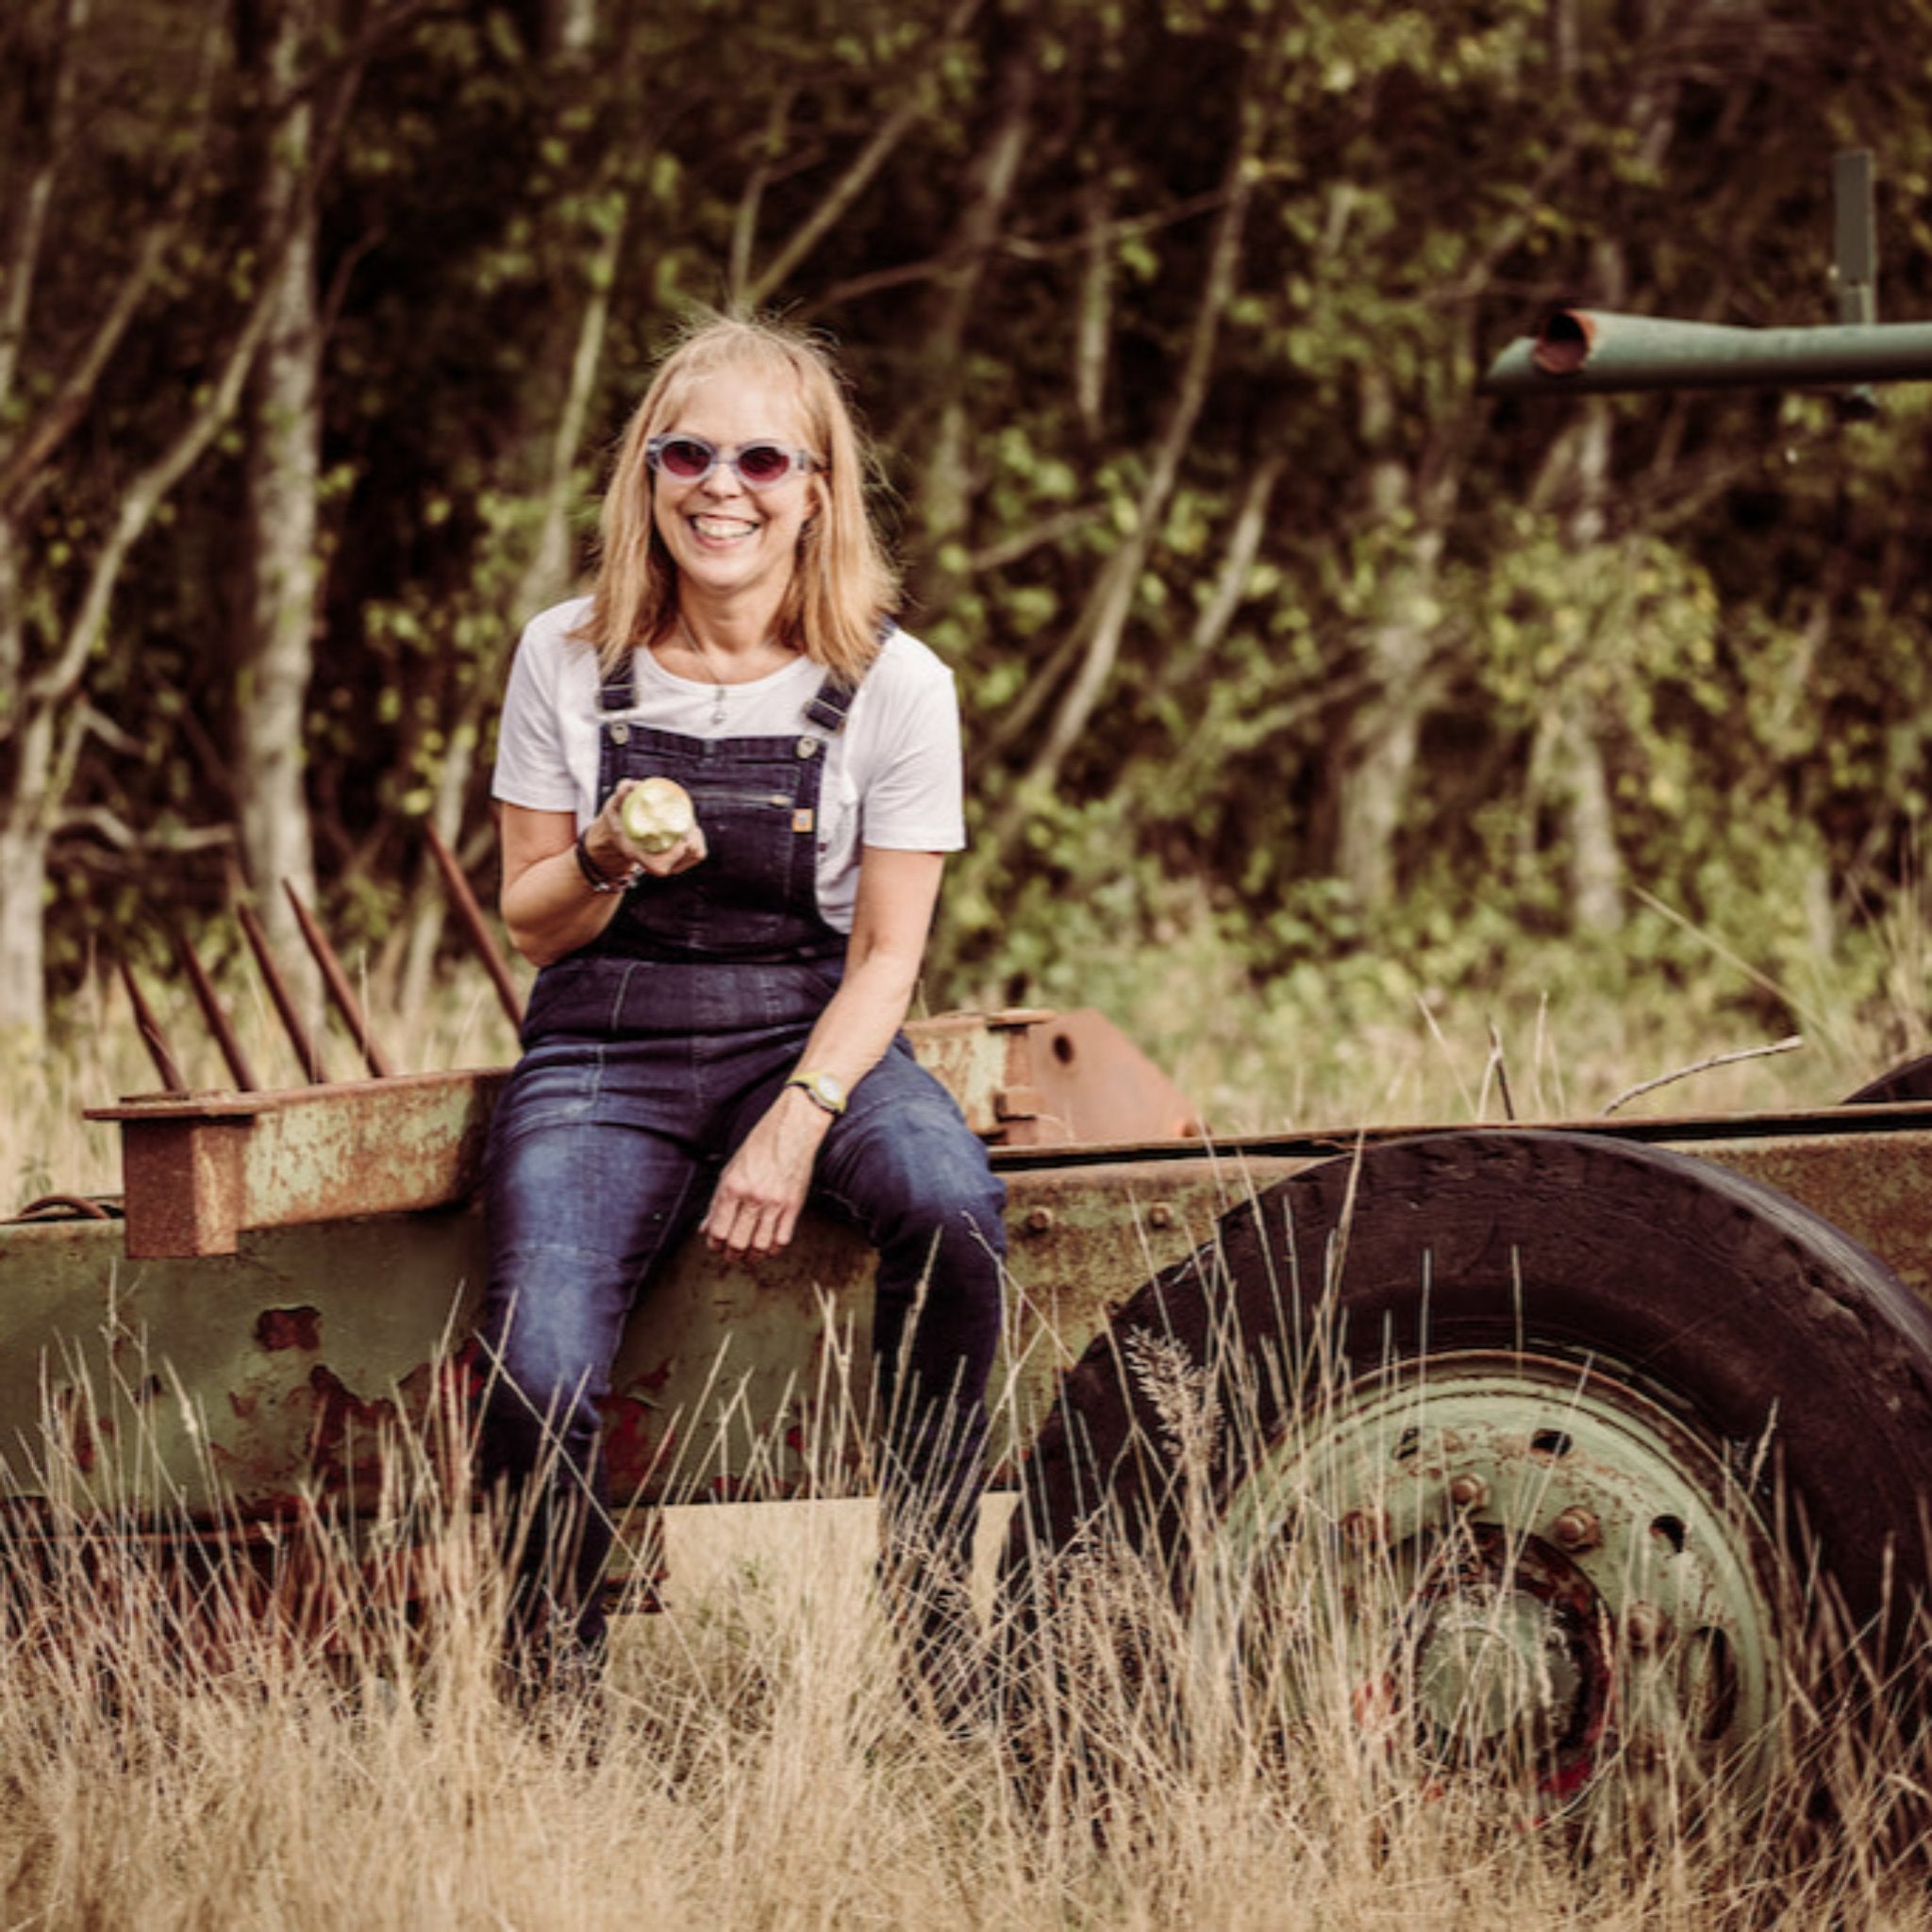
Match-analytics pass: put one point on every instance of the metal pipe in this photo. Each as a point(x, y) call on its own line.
point(1594, 351)
point(305, 1050)
point(470, 915)
point(341, 994)
point(217, 1018)
point(151, 1035)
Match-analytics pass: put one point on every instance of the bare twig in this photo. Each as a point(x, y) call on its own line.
point(913, 107)
point(111, 829)
point(1730, 958)
point(1499, 1065)
point(1035, 536)
point(1790, 1044)
point(1470, 1104)
point(1096, 237)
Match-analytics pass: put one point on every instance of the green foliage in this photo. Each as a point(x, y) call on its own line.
point(1457, 623)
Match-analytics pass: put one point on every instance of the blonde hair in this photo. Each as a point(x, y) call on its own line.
point(842, 586)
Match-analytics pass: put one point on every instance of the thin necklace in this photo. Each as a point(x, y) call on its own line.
point(704, 657)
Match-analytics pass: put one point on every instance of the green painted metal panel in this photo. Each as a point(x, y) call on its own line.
point(271, 1377)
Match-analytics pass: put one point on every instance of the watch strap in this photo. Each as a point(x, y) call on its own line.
point(820, 1088)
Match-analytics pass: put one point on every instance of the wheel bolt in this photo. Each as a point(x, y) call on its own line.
point(1645, 1626)
point(1468, 1492)
point(1576, 1530)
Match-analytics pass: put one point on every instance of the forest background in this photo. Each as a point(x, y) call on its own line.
point(1287, 658)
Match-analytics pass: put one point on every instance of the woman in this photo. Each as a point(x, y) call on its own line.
point(713, 1037)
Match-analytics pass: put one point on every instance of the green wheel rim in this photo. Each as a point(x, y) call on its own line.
point(1516, 1566)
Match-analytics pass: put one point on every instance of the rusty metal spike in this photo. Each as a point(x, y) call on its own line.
point(305, 1049)
point(341, 994)
point(211, 1010)
point(471, 916)
point(151, 1035)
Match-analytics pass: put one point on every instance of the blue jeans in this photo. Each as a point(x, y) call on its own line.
point(604, 1151)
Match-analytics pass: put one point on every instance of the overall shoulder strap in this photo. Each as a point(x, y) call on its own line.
point(618, 692)
point(828, 708)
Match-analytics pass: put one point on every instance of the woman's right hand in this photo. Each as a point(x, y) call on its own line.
point(548, 906)
point(614, 851)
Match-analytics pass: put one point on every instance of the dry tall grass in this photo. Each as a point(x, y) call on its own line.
point(182, 1744)
point(173, 1754)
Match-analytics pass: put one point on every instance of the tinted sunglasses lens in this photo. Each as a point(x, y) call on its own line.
point(763, 464)
point(681, 455)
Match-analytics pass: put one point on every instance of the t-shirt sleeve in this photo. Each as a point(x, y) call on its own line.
point(913, 800)
point(532, 770)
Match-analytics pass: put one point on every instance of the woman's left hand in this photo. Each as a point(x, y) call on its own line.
point(761, 1193)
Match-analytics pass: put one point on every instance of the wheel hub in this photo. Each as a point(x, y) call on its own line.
point(1490, 1662)
point(1529, 1567)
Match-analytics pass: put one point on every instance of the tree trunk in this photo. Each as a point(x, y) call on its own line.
point(1102, 621)
point(1596, 861)
point(283, 421)
point(45, 663)
point(945, 492)
point(23, 832)
point(1375, 759)
point(1378, 758)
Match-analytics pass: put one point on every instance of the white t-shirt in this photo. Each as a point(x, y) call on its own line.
point(891, 780)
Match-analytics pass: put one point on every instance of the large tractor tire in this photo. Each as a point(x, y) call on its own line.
point(1910, 1081)
point(1546, 1452)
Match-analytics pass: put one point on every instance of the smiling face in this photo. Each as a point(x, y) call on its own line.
point(735, 547)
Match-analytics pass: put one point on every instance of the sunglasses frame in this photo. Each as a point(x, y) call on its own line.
point(798, 460)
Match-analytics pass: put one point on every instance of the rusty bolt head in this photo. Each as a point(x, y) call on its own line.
point(1468, 1490)
point(1040, 1220)
point(1160, 1215)
point(1577, 1530)
point(1646, 1626)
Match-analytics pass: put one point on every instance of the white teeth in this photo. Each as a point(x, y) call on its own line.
point(721, 526)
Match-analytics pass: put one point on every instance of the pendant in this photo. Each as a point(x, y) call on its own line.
point(718, 706)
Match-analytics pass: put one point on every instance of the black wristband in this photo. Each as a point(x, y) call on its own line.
point(597, 880)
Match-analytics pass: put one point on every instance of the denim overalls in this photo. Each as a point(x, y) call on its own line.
point(648, 1055)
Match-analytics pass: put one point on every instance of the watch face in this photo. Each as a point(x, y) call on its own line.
point(824, 1088)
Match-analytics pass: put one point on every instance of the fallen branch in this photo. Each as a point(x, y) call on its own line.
point(1790, 1044)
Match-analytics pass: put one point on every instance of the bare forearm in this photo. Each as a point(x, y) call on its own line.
point(897, 891)
point(857, 1024)
point(550, 909)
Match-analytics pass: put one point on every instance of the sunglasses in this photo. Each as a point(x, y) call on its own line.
point(759, 465)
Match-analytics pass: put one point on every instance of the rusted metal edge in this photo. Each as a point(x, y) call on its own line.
point(197, 1169)
point(1684, 1130)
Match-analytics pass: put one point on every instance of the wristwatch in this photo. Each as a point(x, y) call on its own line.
point(826, 1090)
